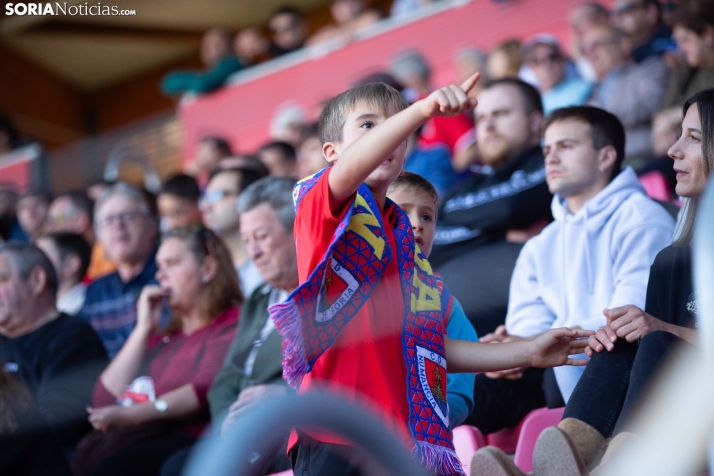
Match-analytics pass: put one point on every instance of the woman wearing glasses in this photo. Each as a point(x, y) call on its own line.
point(151, 400)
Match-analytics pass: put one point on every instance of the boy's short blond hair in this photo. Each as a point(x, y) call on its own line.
point(334, 115)
point(419, 184)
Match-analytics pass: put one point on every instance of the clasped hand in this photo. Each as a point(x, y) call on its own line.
point(627, 322)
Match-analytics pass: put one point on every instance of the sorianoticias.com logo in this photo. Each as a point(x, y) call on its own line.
point(57, 8)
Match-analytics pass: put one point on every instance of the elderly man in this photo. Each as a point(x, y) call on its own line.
point(56, 357)
point(127, 230)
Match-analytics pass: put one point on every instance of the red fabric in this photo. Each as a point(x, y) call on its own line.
point(457, 133)
point(194, 359)
point(366, 361)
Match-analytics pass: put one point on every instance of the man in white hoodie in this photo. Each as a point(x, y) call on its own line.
point(595, 255)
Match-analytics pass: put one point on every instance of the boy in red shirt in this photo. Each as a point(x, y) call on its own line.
point(366, 319)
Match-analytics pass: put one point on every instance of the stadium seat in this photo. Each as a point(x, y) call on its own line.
point(507, 439)
point(467, 440)
point(656, 185)
point(532, 426)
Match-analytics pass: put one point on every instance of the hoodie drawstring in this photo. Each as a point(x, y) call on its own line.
point(588, 256)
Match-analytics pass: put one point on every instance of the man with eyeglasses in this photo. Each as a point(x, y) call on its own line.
point(128, 230)
point(71, 212)
point(641, 21)
point(218, 209)
point(558, 88)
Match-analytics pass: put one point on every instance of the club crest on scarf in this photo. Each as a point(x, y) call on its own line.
point(312, 317)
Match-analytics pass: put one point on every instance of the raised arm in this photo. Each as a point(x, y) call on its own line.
point(359, 159)
point(125, 366)
point(550, 349)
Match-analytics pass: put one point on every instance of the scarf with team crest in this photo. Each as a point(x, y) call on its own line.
point(314, 314)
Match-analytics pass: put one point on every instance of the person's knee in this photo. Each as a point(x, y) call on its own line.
point(658, 341)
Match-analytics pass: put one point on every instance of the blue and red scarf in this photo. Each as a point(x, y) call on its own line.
point(314, 314)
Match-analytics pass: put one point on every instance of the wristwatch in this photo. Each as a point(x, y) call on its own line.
point(161, 406)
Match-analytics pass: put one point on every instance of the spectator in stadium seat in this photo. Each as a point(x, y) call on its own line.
point(178, 202)
point(442, 141)
point(279, 157)
point(72, 212)
point(632, 91)
point(543, 55)
point(350, 16)
point(419, 199)
point(634, 345)
point(583, 18)
point(594, 255)
point(641, 22)
point(253, 368)
point(693, 24)
point(198, 283)
point(309, 155)
point(218, 207)
point(288, 31)
point(32, 212)
point(127, 230)
point(210, 150)
point(484, 220)
point(505, 61)
point(69, 253)
point(55, 356)
point(216, 55)
point(250, 46)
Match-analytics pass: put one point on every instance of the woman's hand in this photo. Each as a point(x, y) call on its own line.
point(604, 338)
point(108, 418)
point(553, 348)
point(149, 308)
point(632, 323)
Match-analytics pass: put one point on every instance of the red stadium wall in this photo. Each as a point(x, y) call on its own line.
point(242, 112)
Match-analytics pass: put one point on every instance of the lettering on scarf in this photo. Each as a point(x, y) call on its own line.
point(360, 223)
point(427, 297)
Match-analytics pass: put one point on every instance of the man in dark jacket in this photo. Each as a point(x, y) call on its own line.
point(484, 220)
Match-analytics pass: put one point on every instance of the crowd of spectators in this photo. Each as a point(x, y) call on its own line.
point(132, 323)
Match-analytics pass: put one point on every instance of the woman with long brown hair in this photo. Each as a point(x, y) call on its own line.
point(162, 376)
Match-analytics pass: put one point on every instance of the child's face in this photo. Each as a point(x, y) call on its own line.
point(422, 214)
point(361, 120)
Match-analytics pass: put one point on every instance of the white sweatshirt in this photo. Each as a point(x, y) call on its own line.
point(583, 263)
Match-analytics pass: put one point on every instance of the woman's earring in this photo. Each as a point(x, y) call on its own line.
point(204, 280)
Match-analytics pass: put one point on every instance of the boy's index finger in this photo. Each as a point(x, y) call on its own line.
point(469, 84)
